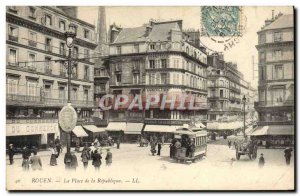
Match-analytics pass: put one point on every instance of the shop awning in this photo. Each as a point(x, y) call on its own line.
point(133, 128)
point(274, 130)
point(160, 128)
point(116, 126)
point(79, 131)
point(94, 129)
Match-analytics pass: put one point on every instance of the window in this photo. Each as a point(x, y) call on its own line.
point(176, 63)
point(12, 56)
point(86, 34)
point(62, 49)
point(47, 90)
point(221, 93)
point(86, 95)
point(262, 57)
point(62, 93)
point(62, 69)
point(74, 93)
point(262, 73)
point(262, 38)
point(74, 71)
point(48, 20)
point(12, 86)
point(277, 96)
point(278, 72)
point(62, 25)
point(213, 117)
point(86, 73)
point(13, 33)
point(118, 78)
point(277, 54)
point(31, 88)
point(48, 43)
point(152, 64)
point(75, 52)
point(277, 36)
point(152, 46)
point(163, 77)
point(31, 59)
point(262, 96)
point(119, 50)
point(73, 28)
point(152, 78)
point(136, 78)
point(32, 36)
point(32, 12)
point(163, 63)
point(136, 48)
point(86, 53)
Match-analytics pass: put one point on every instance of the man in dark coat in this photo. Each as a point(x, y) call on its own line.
point(96, 160)
point(74, 162)
point(288, 155)
point(118, 143)
point(11, 153)
point(108, 158)
point(261, 161)
point(158, 148)
point(25, 154)
point(57, 145)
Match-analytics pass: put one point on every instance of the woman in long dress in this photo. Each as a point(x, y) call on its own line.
point(54, 154)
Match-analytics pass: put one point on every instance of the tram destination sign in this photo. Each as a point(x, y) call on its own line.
point(67, 118)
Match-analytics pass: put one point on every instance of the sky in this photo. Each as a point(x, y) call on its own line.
point(242, 53)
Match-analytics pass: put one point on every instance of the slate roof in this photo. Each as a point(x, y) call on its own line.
point(159, 32)
point(284, 21)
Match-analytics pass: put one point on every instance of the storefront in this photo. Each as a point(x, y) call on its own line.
point(160, 130)
point(77, 136)
point(133, 132)
point(94, 132)
point(116, 130)
point(274, 135)
point(39, 133)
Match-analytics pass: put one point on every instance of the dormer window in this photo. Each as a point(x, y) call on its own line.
point(32, 14)
point(48, 20)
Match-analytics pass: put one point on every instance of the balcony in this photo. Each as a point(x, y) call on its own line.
point(32, 43)
point(16, 99)
point(235, 89)
point(100, 91)
point(155, 121)
point(216, 86)
point(216, 97)
point(266, 123)
point(101, 75)
point(271, 104)
point(13, 38)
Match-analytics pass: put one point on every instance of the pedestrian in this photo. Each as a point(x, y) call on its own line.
point(172, 148)
point(108, 158)
point(118, 143)
point(74, 163)
point(54, 155)
point(158, 148)
point(67, 161)
point(85, 156)
point(25, 155)
point(153, 146)
point(35, 161)
point(261, 161)
point(288, 155)
point(11, 153)
point(97, 160)
point(57, 145)
point(229, 143)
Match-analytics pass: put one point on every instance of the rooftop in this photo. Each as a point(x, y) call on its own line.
point(284, 21)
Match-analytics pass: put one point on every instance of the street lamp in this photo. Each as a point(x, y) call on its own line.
point(244, 103)
point(69, 35)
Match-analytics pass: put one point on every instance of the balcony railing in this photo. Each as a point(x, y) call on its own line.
point(274, 104)
point(235, 89)
point(216, 86)
point(216, 97)
point(265, 123)
point(13, 38)
point(32, 43)
point(101, 74)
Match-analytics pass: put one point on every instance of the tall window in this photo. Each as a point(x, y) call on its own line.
point(136, 48)
point(86, 34)
point(62, 49)
point(261, 57)
point(86, 72)
point(47, 64)
point(12, 56)
point(152, 64)
point(152, 46)
point(62, 25)
point(86, 95)
point(118, 78)
point(47, 90)
point(31, 88)
point(48, 20)
point(163, 63)
point(119, 50)
point(32, 36)
point(262, 96)
point(262, 38)
point(12, 86)
point(277, 54)
point(86, 53)
point(62, 93)
point(48, 43)
point(163, 77)
point(176, 63)
point(13, 33)
point(152, 78)
point(278, 96)
point(74, 93)
point(136, 78)
point(278, 72)
point(32, 12)
point(262, 73)
point(73, 28)
point(31, 59)
point(75, 52)
point(221, 93)
point(277, 36)
point(62, 68)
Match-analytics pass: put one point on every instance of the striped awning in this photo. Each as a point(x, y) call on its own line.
point(94, 129)
point(274, 130)
point(160, 128)
point(79, 131)
point(116, 126)
point(133, 128)
point(199, 125)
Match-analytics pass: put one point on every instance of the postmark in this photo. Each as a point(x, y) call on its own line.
point(223, 25)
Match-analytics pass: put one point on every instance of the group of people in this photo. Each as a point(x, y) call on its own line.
point(185, 142)
point(154, 141)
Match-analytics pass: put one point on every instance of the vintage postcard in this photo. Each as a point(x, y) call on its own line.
point(150, 98)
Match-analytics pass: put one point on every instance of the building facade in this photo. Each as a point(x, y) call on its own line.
point(226, 89)
point(36, 71)
point(156, 59)
point(275, 106)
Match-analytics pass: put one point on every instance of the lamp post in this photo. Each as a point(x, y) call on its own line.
point(244, 103)
point(69, 35)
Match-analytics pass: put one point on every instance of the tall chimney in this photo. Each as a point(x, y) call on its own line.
point(101, 31)
point(272, 14)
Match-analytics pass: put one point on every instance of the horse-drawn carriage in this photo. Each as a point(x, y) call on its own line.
point(246, 147)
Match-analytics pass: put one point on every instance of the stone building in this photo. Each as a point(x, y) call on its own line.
point(36, 75)
point(276, 81)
